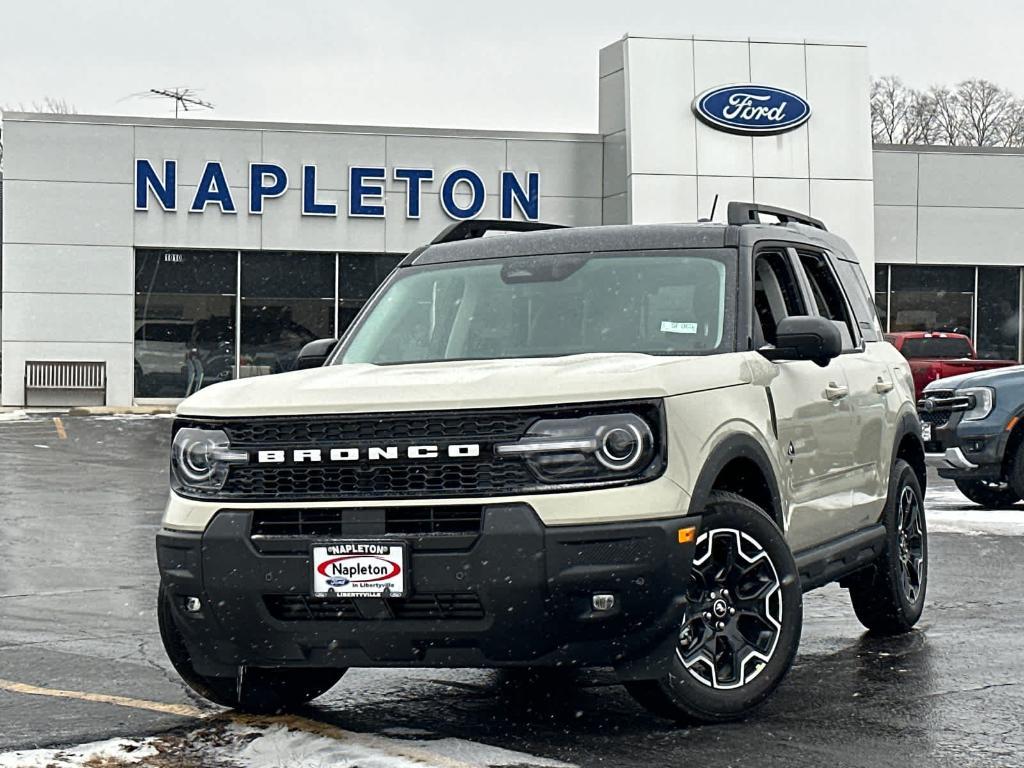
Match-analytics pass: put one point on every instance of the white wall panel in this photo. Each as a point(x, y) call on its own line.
point(39, 151)
point(972, 180)
point(659, 121)
point(782, 66)
point(610, 58)
point(847, 208)
point(567, 168)
point(660, 199)
point(572, 211)
point(794, 194)
point(993, 236)
point(728, 188)
point(67, 317)
point(615, 209)
point(332, 153)
point(193, 147)
point(716, 64)
point(895, 234)
point(612, 103)
point(895, 177)
point(119, 358)
point(283, 230)
point(67, 269)
point(614, 182)
point(839, 131)
point(67, 213)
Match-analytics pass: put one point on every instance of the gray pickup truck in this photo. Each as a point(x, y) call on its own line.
point(973, 430)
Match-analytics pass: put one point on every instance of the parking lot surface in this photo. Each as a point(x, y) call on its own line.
point(81, 660)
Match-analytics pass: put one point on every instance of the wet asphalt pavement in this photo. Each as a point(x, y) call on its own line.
point(77, 613)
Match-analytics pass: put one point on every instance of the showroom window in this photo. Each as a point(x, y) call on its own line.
point(980, 302)
point(287, 301)
point(184, 320)
point(208, 316)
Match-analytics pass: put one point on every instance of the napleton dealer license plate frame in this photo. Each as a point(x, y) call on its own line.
point(370, 568)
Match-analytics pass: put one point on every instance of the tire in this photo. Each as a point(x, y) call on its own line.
point(262, 690)
point(989, 495)
point(735, 648)
point(889, 598)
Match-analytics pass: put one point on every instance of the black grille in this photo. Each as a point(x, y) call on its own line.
point(371, 521)
point(428, 605)
point(935, 418)
point(485, 474)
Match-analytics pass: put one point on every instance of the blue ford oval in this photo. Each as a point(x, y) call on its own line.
point(751, 109)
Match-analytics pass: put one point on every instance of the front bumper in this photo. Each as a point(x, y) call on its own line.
point(514, 593)
point(965, 450)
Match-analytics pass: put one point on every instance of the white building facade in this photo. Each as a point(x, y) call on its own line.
point(178, 253)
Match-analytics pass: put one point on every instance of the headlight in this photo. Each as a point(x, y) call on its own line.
point(200, 459)
point(605, 447)
point(984, 401)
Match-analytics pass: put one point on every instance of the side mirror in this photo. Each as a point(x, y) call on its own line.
point(315, 353)
point(805, 338)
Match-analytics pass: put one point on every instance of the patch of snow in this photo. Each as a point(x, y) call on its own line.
point(131, 416)
point(113, 751)
point(977, 521)
point(15, 416)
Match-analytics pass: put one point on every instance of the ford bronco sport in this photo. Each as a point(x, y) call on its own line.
point(621, 446)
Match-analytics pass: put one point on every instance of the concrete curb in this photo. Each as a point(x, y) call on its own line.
point(113, 410)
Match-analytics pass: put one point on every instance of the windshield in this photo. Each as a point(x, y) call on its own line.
point(656, 302)
point(936, 347)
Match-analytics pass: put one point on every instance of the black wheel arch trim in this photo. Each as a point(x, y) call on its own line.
point(737, 446)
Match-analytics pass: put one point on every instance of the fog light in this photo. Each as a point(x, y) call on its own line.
point(602, 602)
point(193, 604)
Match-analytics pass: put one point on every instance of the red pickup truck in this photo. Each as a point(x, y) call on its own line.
point(935, 355)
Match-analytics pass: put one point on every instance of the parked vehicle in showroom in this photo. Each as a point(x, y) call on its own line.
point(974, 434)
point(939, 355)
point(622, 446)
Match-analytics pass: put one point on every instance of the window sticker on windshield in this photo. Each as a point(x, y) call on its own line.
point(667, 326)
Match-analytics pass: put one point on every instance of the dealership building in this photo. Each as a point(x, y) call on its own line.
point(144, 258)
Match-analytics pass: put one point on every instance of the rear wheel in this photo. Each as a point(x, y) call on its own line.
point(889, 598)
point(259, 690)
point(741, 627)
point(988, 494)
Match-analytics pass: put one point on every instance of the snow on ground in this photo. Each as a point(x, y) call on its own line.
point(949, 511)
point(276, 746)
point(15, 415)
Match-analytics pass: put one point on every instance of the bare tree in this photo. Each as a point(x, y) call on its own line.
point(49, 105)
point(948, 121)
point(900, 114)
point(986, 111)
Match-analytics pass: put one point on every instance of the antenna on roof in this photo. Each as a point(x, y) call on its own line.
point(184, 98)
point(714, 204)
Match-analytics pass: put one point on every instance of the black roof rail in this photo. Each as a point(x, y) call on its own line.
point(473, 228)
point(750, 213)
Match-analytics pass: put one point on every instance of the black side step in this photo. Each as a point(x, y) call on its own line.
point(840, 557)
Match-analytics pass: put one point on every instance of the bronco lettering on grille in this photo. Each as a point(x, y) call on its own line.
point(372, 453)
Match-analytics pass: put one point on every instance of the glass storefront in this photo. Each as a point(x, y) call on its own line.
point(208, 316)
point(980, 302)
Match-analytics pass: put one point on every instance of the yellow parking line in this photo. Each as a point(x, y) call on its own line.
point(391, 747)
point(59, 424)
point(104, 698)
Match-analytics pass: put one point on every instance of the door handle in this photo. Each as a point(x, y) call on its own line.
point(835, 392)
point(883, 387)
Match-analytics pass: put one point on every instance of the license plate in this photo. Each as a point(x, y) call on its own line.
point(926, 431)
point(360, 569)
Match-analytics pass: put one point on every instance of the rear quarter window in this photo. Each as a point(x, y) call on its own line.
point(861, 303)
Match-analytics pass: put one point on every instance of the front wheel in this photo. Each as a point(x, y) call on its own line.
point(259, 691)
point(741, 627)
point(889, 598)
point(988, 494)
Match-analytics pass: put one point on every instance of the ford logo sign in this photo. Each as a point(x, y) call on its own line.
point(755, 110)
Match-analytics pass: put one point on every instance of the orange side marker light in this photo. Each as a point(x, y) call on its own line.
point(687, 535)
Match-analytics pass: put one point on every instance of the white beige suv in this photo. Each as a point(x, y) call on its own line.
point(624, 446)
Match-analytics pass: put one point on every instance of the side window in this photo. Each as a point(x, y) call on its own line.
point(857, 292)
point(776, 295)
point(828, 295)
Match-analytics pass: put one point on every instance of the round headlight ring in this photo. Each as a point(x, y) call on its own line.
point(611, 446)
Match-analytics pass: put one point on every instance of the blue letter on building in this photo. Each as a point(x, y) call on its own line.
point(413, 178)
point(259, 188)
point(527, 200)
point(310, 207)
point(359, 189)
point(213, 188)
point(146, 179)
point(476, 184)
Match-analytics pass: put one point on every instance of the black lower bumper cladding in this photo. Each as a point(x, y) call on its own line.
point(515, 593)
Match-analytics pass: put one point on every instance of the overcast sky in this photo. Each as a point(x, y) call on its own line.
point(527, 64)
